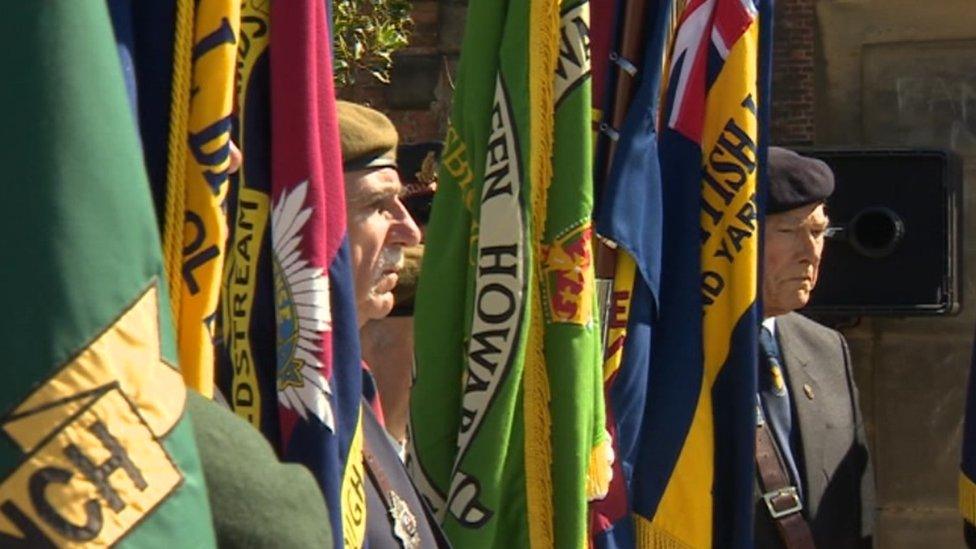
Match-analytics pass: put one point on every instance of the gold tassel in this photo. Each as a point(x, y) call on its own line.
point(600, 471)
point(544, 48)
point(179, 117)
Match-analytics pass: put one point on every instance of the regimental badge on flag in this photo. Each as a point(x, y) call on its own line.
point(290, 356)
point(97, 451)
point(507, 414)
point(318, 374)
point(195, 231)
point(694, 481)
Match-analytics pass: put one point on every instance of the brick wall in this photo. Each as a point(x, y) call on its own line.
point(418, 97)
point(793, 78)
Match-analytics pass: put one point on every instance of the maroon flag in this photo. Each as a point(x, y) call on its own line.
point(318, 369)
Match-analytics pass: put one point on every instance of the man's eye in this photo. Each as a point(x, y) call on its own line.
point(384, 205)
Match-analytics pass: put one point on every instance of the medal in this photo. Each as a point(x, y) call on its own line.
point(404, 523)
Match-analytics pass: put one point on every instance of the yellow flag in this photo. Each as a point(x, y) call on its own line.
point(200, 131)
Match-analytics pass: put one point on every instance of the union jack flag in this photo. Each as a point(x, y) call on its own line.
point(699, 55)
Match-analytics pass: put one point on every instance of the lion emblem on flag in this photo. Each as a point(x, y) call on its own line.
point(569, 275)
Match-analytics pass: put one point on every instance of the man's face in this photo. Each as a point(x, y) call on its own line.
point(793, 245)
point(379, 228)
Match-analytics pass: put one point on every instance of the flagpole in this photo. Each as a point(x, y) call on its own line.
point(626, 57)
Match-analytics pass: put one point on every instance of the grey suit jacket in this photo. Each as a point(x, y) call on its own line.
point(838, 477)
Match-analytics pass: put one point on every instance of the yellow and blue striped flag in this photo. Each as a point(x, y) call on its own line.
point(693, 484)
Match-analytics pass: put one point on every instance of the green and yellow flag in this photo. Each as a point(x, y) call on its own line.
point(508, 438)
point(96, 450)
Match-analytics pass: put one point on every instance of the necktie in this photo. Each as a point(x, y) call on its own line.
point(775, 399)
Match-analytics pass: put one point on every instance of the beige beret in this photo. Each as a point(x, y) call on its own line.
point(367, 137)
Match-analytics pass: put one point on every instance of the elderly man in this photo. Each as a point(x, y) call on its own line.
point(379, 229)
point(378, 223)
point(816, 486)
point(387, 343)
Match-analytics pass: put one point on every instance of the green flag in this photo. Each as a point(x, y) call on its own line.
point(96, 450)
point(507, 416)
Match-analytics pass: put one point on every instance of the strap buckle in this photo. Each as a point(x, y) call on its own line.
point(783, 502)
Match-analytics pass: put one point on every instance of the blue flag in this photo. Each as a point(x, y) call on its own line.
point(144, 40)
point(693, 483)
point(630, 215)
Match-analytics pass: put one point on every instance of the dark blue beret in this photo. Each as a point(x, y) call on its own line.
point(796, 181)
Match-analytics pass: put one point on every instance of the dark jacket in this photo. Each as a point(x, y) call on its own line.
point(379, 525)
point(838, 477)
point(255, 500)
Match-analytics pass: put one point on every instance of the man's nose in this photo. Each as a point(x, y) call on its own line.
point(404, 230)
point(810, 248)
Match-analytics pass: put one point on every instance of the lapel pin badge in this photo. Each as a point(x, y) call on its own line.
point(808, 390)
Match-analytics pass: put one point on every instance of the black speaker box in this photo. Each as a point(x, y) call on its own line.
point(894, 244)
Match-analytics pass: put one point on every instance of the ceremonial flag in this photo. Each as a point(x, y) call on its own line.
point(602, 22)
point(319, 375)
point(195, 230)
point(97, 450)
point(507, 413)
point(693, 483)
point(247, 358)
point(292, 365)
point(630, 216)
point(144, 35)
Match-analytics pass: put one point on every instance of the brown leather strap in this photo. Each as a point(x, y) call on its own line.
point(379, 477)
point(780, 496)
point(384, 489)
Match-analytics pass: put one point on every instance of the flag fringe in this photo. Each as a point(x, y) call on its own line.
point(176, 158)
point(652, 536)
point(967, 498)
point(599, 473)
point(543, 44)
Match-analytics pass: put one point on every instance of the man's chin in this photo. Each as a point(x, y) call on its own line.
point(801, 299)
point(376, 306)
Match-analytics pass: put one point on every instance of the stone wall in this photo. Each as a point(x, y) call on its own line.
point(903, 73)
point(418, 97)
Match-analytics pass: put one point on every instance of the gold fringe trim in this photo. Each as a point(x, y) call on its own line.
point(600, 471)
point(543, 50)
point(650, 536)
point(967, 498)
point(179, 116)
